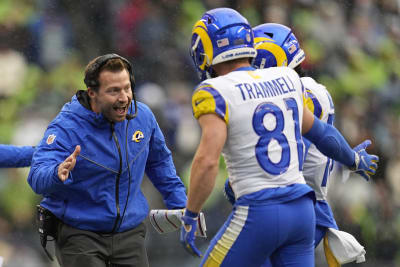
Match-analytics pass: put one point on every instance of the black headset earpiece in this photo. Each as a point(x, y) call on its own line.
point(91, 76)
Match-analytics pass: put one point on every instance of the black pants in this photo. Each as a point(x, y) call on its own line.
point(75, 248)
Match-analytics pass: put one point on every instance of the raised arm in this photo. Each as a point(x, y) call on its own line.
point(331, 143)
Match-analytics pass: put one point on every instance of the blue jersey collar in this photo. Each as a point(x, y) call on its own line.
point(245, 68)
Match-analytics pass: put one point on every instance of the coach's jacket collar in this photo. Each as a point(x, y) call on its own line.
point(80, 106)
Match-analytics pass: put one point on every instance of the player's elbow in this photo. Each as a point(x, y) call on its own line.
point(205, 162)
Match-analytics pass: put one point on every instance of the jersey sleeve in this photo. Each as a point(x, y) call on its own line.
point(207, 100)
point(313, 104)
point(303, 92)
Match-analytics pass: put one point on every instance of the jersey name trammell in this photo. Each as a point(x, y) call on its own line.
point(264, 89)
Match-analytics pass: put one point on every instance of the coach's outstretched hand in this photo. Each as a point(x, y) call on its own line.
point(188, 230)
point(365, 164)
point(68, 165)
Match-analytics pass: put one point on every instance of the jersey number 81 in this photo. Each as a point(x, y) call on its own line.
point(277, 133)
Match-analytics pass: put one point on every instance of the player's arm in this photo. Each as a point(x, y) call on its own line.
point(308, 120)
point(202, 176)
point(331, 143)
point(206, 160)
point(211, 110)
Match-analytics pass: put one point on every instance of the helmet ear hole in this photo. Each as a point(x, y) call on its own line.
point(201, 57)
point(270, 34)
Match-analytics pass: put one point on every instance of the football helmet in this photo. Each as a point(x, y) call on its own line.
point(276, 46)
point(220, 35)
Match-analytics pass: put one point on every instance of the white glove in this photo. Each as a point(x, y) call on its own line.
point(166, 221)
point(343, 247)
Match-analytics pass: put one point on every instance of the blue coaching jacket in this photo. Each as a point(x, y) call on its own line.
point(15, 156)
point(94, 195)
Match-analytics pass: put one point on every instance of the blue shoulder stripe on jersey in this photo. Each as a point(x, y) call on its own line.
point(220, 104)
point(202, 85)
point(317, 105)
point(330, 101)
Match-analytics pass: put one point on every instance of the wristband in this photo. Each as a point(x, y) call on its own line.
point(191, 214)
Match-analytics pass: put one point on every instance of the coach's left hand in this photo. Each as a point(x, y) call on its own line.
point(68, 164)
point(188, 229)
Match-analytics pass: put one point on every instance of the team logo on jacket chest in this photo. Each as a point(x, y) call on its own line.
point(50, 139)
point(137, 136)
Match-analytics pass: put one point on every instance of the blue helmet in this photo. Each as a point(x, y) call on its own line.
point(276, 46)
point(220, 35)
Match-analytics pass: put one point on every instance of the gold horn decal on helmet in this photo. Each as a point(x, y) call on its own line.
point(201, 30)
point(276, 50)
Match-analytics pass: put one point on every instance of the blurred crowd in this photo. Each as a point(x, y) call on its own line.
point(352, 47)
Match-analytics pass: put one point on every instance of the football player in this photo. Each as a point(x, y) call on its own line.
point(255, 118)
point(277, 46)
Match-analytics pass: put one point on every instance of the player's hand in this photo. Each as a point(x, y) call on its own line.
point(68, 165)
point(188, 229)
point(362, 146)
point(365, 164)
point(228, 192)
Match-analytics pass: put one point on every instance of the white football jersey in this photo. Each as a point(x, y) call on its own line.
point(317, 167)
point(263, 110)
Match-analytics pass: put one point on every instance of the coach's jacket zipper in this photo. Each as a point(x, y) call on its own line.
point(117, 179)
